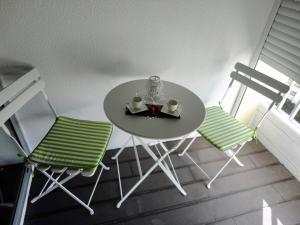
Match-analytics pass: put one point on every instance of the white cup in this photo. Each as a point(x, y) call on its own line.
point(137, 102)
point(172, 105)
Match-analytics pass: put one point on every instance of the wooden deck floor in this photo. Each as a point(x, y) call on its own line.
point(261, 191)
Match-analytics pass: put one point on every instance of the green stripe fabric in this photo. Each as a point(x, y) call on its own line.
point(73, 143)
point(222, 130)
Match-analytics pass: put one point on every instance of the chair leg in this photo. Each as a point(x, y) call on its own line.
point(187, 147)
point(55, 184)
point(68, 192)
point(184, 152)
point(121, 149)
point(229, 153)
point(225, 165)
point(199, 167)
point(238, 162)
point(98, 178)
point(46, 184)
point(116, 157)
point(104, 166)
point(53, 187)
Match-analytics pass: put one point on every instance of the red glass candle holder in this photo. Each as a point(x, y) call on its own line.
point(154, 109)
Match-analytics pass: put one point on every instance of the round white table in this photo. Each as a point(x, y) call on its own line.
point(192, 115)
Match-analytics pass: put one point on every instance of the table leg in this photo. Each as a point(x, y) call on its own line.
point(122, 149)
point(137, 184)
point(137, 158)
point(116, 157)
point(160, 164)
point(187, 147)
point(170, 161)
point(164, 162)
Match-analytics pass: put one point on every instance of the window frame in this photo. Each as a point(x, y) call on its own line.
point(291, 116)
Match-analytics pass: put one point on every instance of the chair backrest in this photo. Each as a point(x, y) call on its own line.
point(261, 83)
point(16, 96)
point(19, 93)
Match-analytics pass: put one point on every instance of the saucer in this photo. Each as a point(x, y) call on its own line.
point(133, 110)
point(176, 113)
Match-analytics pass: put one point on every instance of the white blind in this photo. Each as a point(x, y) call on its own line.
point(282, 47)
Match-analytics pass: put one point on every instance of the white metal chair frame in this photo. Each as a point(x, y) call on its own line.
point(12, 99)
point(254, 80)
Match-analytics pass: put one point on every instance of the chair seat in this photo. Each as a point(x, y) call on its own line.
point(222, 130)
point(73, 143)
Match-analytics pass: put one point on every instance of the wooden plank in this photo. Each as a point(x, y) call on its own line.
point(283, 213)
point(209, 211)
point(203, 212)
point(159, 200)
point(263, 159)
point(229, 185)
point(156, 181)
point(288, 190)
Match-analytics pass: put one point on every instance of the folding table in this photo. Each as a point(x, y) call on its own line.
point(158, 129)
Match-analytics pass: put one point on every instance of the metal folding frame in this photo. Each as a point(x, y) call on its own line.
point(160, 162)
point(231, 153)
point(56, 183)
point(275, 96)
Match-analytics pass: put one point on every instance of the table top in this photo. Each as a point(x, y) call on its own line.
point(192, 115)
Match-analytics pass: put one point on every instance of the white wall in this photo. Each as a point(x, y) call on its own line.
point(83, 48)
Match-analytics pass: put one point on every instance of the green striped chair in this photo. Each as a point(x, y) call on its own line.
point(71, 146)
point(225, 132)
